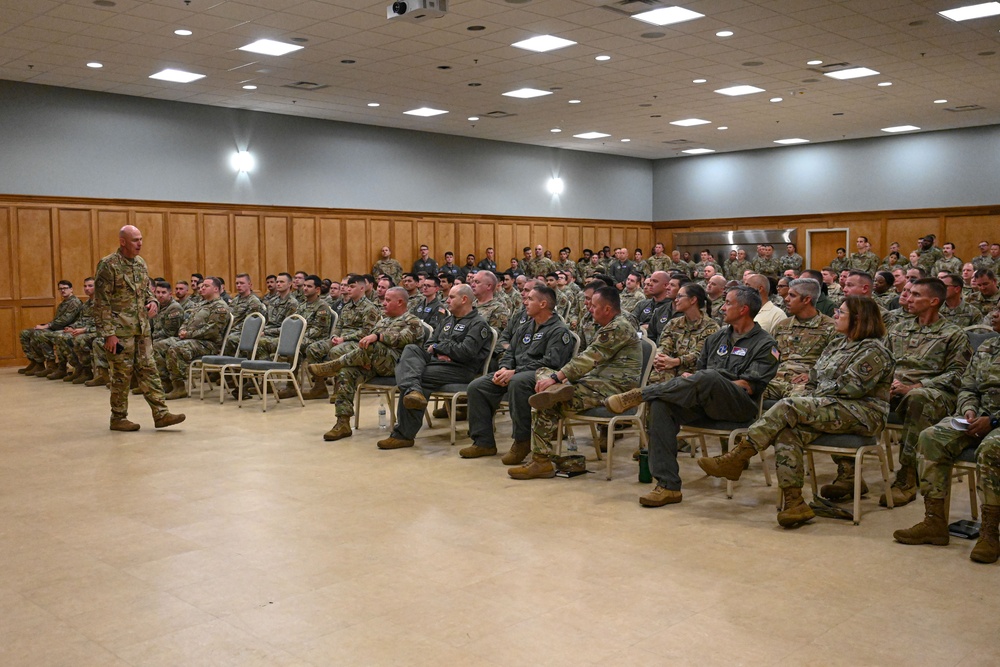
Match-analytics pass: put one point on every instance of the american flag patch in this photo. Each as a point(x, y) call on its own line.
point(775, 353)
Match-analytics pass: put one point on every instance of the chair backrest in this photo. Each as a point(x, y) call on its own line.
point(489, 357)
point(333, 321)
point(293, 329)
point(428, 331)
point(253, 328)
point(977, 338)
point(648, 354)
point(225, 335)
point(576, 343)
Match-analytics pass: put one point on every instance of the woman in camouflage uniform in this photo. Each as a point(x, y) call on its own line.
point(847, 392)
point(683, 338)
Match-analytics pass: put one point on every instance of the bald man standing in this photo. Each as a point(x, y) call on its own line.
point(123, 307)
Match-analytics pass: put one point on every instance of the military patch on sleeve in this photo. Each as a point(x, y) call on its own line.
point(604, 337)
point(865, 368)
point(775, 353)
point(484, 333)
point(565, 338)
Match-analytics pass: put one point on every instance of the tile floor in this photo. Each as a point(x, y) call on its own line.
point(241, 538)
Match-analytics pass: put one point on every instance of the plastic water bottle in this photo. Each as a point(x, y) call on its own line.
point(571, 445)
point(382, 422)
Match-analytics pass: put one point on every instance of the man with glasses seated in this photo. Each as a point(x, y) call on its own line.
point(66, 313)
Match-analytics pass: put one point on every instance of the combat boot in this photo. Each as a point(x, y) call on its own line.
point(414, 400)
point(932, 530)
point(167, 385)
point(176, 393)
point(77, 372)
point(842, 487)
point(99, 380)
point(731, 464)
point(59, 373)
point(904, 489)
point(540, 467)
point(475, 451)
point(440, 413)
point(318, 390)
point(988, 547)
point(85, 377)
point(123, 425)
point(554, 395)
point(795, 510)
point(288, 392)
point(619, 403)
point(394, 443)
point(342, 429)
point(660, 496)
point(519, 450)
point(325, 370)
point(50, 367)
point(168, 419)
point(30, 368)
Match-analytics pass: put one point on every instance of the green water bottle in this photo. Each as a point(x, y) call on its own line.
point(644, 475)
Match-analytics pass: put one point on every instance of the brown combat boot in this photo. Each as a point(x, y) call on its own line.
point(288, 392)
point(394, 443)
point(77, 372)
point(795, 511)
point(731, 464)
point(619, 403)
point(474, 451)
point(414, 400)
point(99, 380)
point(30, 368)
point(842, 487)
point(123, 425)
point(932, 530)
point(342, 429)
point(326, 369)
point(660, 496)
point(176, 393)
point(317, 391)
point(49, 368)
point(987, 549)
point(85, 377)
point(59, 373)
point(440, 413)
point(554, 395)
point(168, 419)
point(904, 489)
point(519, 450)
point(540, 467)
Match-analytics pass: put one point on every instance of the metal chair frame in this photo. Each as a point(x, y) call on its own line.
point(284, 370)
point(196, 363)
point(231, 365)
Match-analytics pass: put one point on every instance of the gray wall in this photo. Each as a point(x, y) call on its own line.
point(73, 143)
point(923, 170)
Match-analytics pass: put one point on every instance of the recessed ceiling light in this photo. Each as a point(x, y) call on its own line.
point(900, 128)
point(269, 47)
point(851, 73)
point(573, 101)
point(625, 141)
point(722, 127)
point(543, 43)
point(374, 104)
point(734, 91)
point(555, 186)
point(788, 142)
point(249, 87)
point(724, 33)
point(424, 111)
point(814, 62)
point(700, 81)
point(667, 16)
point(776, 99)
point(95, 65)
point(555, 130)
point(602, 58)
point(527, 93)
point(591, 135)
point(940, 101)
point(177, 76)
point(473, 118)
point(698, 151)
point(972, 11)
point(183, 32)
point(689, 122)
point(883, 84)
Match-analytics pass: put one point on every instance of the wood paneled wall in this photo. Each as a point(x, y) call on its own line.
point(45, 240)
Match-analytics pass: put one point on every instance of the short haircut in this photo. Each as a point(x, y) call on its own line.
point(316, 280)
point(866, 277)
point(434, 279)
point(805, 287)
point(65, 283)
point(864, 238)
point(412, 276)
point(747, 296)
point(637, 275)
point(464, 290)
point(937, 288)
point(423, 247)
point(525, 249)
point(794, 247)
point(388, 279)
point(866, 318)
point(369, 278)
point(449, 253)
point(304, 275)
point(354, 279)
point(985, 273)
point(566, 249)
point(160, 283)
point(243, 275)
point(919, 269)
point(213, 281)
point(843, 250)
point(491, 278)
point(270, 276)
point(548, 294)
point(286, 274)
point(183, 282)
point(398, 291)
point(552, 274)
point(610, 296)
point(604, 278)
point(955, 279)
point(813, 274)
point(594, 285)
point(198, 276)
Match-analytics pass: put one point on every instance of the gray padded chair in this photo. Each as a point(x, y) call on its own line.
point(261, 372)
point(196, 363)
point(383, 386)
point(246, 348)
point(844, 444)
point(458, 391)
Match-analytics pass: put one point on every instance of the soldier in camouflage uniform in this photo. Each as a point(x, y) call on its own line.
point(706, 260)
point(847, 392)
point(659, 260)
point(986, 295)
point(280, 307)
point(491, 309)
point(929, 254)
point(955, 309)
point(564, 263)
point(841, 262)
point(766, 264)
point(864, 259)
point(354, 363)
point(790, 260)
point(36, 342)
point(632, 295)
point(200, 334)
point(610, 364)
point(984, 260)
point(62, 345)
point(540, 265)
point(123, 304)
point(683, 338)
point(639, 265)
point(318, 316)
point(942, 444)
point(244, 303)
point(543, 341)
point(949, 263)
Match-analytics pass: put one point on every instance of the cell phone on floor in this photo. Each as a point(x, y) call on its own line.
point(965, 529)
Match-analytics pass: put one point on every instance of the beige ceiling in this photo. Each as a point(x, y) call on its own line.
point(646, 84)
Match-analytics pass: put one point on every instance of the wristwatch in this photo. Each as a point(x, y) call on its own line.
point(994, 422)
point(555, 377)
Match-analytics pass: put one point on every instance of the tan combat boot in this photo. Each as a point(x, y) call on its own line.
point(987, 549)
point(85, 376)
point(342, 429)
point(71, 377)
point(177, 392)
point(50, 367)
point(99, 380)
point(288, 391)
point(123, 425)
point(393, 443)
point(317, 390)
point(904, 489)
point(59, 373)
point(554, 395)
point(519, 450)
point(540, 467)
point(619, 403)
point(168, 419)
point(932, 530)
point(325, 370)
point(414, 400)
point(660, 496)
point(795, 510)
point(475, 451)
point(30, 368)
point(842, 487)
point(731, 464)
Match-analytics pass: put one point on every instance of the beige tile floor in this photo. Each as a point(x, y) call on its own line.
point(241, 538)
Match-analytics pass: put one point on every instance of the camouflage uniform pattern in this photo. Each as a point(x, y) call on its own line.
point(661, 263)
point(801, 342)
point(736, 269)
point(838, 264)
point(683, 340)
point(984, 262)
point(202, 335)
point(539, 267)
point(378, 359)
point(963, 315)
point(949, 265)
point(168, 321)
point(865, 261)
point(848, 392)
point(610, 365)
point(928, 258)
point(495, 312)
point(277, 311)
point(356, 321)
point(984, 304)
point(37, 343)
point(389, 267)
point(568, 309)
point(629, 300)
point(121, 294)
point(64, 344)
point(940, 445)
point(766, 266)
point(786, 261)
point(241, 306)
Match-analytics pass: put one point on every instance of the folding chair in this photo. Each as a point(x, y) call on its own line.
point(246, 348)
point(383, 386)
point(844, 444)
point(453, 392)
point(293, 328)
point(196, 363)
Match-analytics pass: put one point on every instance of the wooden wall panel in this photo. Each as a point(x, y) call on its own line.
point(10, 347)
point(423, 234)
point(588, 239)
point(32, 315)
point(152, 226)
point(182, 246)
point(466, 241)
point(6, 256)
point(504, 245)
point(74, 251)
point(522, 239)
point(645, 241)
point(967, 231)
point(556, 240)
point(872, 228)
point(246, 249)
point(109, 223)
point(907, 230)
point(486, 238)
point(356, 259)
point(218, 249)
point(276, 245)
point(304, 255)
point(571, 238)
point(631, 240)
point(331, 261)
point(446, 241)
point(614, 237)
point(34, 253)
point(404, 248)
point(378, 237)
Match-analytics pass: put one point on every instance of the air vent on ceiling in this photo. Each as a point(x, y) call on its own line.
point(306, 85)
point(966, 107)
point(680, 142)
point(498, 114)
point(830, 67)
point(632, 7)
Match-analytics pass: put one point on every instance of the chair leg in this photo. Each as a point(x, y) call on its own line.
point(767, 471)
point(357, 406)
point(451, 417)
point(973, 498)
point(559, 437)
point(884, 464)
point(298, 392)
point(263, 394)
point(811, 467)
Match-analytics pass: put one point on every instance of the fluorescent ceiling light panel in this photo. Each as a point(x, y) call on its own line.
point(269, 47)
point(852, 73)
point(900, 128)
point(972, 11)
point(527, 93)
point(177, 76)
point(591, 135)
point(425, 112)
point(789, 142)
point(689, 122)
point(698, 151)
point(543, 43)
point(734, 91)
point(667, 16)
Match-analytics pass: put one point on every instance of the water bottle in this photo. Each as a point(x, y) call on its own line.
point(382, 422)
point(644, 475)
point(571, 445)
